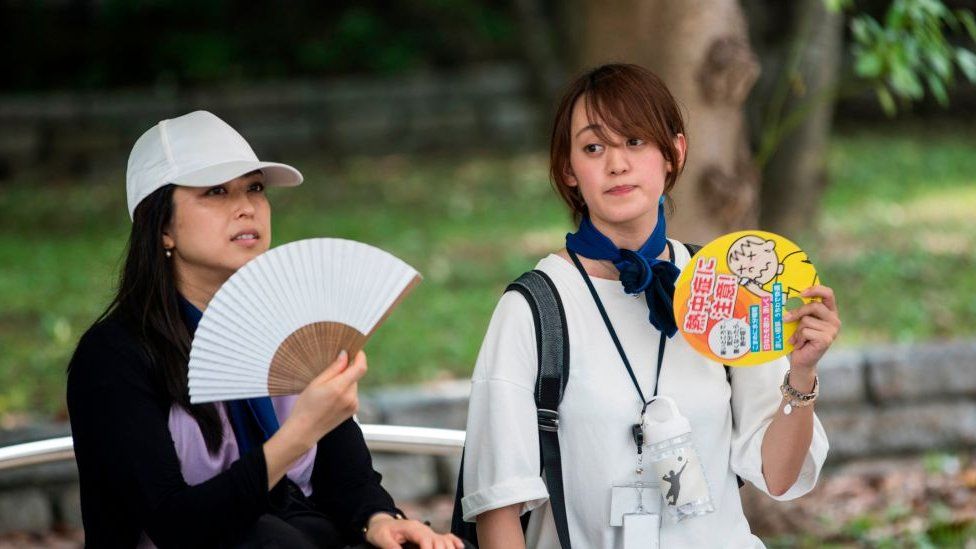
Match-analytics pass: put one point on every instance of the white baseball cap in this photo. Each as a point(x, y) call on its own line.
point(195, 150)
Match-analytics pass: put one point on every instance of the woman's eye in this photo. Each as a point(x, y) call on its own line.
point(213, 191)
point(593, 148)
point(257, 187)
point(635, 142)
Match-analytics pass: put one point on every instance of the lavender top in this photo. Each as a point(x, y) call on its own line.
point(198, 465)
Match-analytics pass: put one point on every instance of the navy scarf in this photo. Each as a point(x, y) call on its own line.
point(640, 271)
point(243, 414)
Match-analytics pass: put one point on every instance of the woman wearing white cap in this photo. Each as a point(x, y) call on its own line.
point(155, 470)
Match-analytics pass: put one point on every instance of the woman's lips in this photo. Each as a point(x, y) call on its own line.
point(621, 190)
point(248, 240)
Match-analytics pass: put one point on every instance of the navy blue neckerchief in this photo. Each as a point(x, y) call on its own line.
point(244, 415)
point(640, 270)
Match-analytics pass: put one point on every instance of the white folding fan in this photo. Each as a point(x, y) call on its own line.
point(284, 316)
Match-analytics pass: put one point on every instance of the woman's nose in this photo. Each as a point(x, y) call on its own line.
point(244, 205)
point(616, 161)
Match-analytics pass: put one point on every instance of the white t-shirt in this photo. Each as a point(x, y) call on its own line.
point(600, 405)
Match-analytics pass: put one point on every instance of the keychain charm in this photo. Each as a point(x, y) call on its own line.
point(637, 430)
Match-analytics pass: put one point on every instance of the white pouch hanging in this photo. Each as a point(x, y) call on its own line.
point(673, 457)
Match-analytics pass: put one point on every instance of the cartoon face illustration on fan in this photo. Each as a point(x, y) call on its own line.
point(755, 262)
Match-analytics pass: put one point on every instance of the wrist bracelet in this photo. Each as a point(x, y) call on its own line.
point(795, 398)
point(395, 514)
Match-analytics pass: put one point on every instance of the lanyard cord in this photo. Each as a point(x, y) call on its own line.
point(613, 333)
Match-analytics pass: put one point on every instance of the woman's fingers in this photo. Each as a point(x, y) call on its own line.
point(826, 309)
point(421, 535)
point(828, 328)
point(807, 336)
point(425, 538)
point(385, 537)
point(342, 365)
point(403, 531)
point(386, 541)
point(816, 324)
point(338, 366)
point(420, 538)
point(815, 308)
point(354, 372)
point(825, 293)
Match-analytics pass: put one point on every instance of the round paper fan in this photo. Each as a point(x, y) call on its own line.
point(730, 299)
point(284, 316)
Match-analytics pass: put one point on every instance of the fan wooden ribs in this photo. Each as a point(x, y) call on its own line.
point(307, 352)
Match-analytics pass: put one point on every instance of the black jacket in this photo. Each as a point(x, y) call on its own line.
point(130, 474)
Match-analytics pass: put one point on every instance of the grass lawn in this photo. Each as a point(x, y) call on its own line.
point(895, 239)
point(897, 235)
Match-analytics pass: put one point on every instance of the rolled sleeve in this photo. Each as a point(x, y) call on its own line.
point(530, 492)
point(501, 462)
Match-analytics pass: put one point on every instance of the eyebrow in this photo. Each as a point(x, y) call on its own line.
point(593, 127)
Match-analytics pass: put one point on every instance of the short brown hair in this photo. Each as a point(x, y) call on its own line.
point(633, 102)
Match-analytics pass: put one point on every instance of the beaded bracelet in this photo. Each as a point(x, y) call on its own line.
point(795, 398)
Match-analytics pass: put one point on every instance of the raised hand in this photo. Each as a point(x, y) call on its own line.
point(330, 399)
point(818, 324)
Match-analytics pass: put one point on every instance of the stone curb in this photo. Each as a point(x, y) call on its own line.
point(892, 399)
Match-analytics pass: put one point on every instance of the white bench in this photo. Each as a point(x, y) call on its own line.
point(379, 438)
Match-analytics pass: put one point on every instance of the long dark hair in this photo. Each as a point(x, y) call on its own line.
point(147, 300)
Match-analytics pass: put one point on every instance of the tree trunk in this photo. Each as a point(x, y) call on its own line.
point(794, 177)
point(701, 50)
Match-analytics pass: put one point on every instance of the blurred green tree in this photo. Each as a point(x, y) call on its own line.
point(118, 43)
point(791, 115)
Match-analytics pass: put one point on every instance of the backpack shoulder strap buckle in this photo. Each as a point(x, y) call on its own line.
point(548, 420)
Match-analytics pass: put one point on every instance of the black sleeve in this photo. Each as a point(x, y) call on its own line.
point(124, 450)
point(344, 484)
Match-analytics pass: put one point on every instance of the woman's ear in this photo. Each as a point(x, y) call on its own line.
point(681, 145)
point(570, 177)
point(168, 242)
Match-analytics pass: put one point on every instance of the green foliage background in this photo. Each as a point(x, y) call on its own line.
point(117, 43)
point(895, 239)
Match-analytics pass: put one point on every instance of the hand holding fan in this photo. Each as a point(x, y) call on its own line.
point(282, 318)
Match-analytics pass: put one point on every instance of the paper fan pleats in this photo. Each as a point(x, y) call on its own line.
point(280, 320)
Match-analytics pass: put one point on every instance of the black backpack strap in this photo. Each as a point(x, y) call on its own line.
point(459, 527)
point(552, 342)
point(693, 249)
